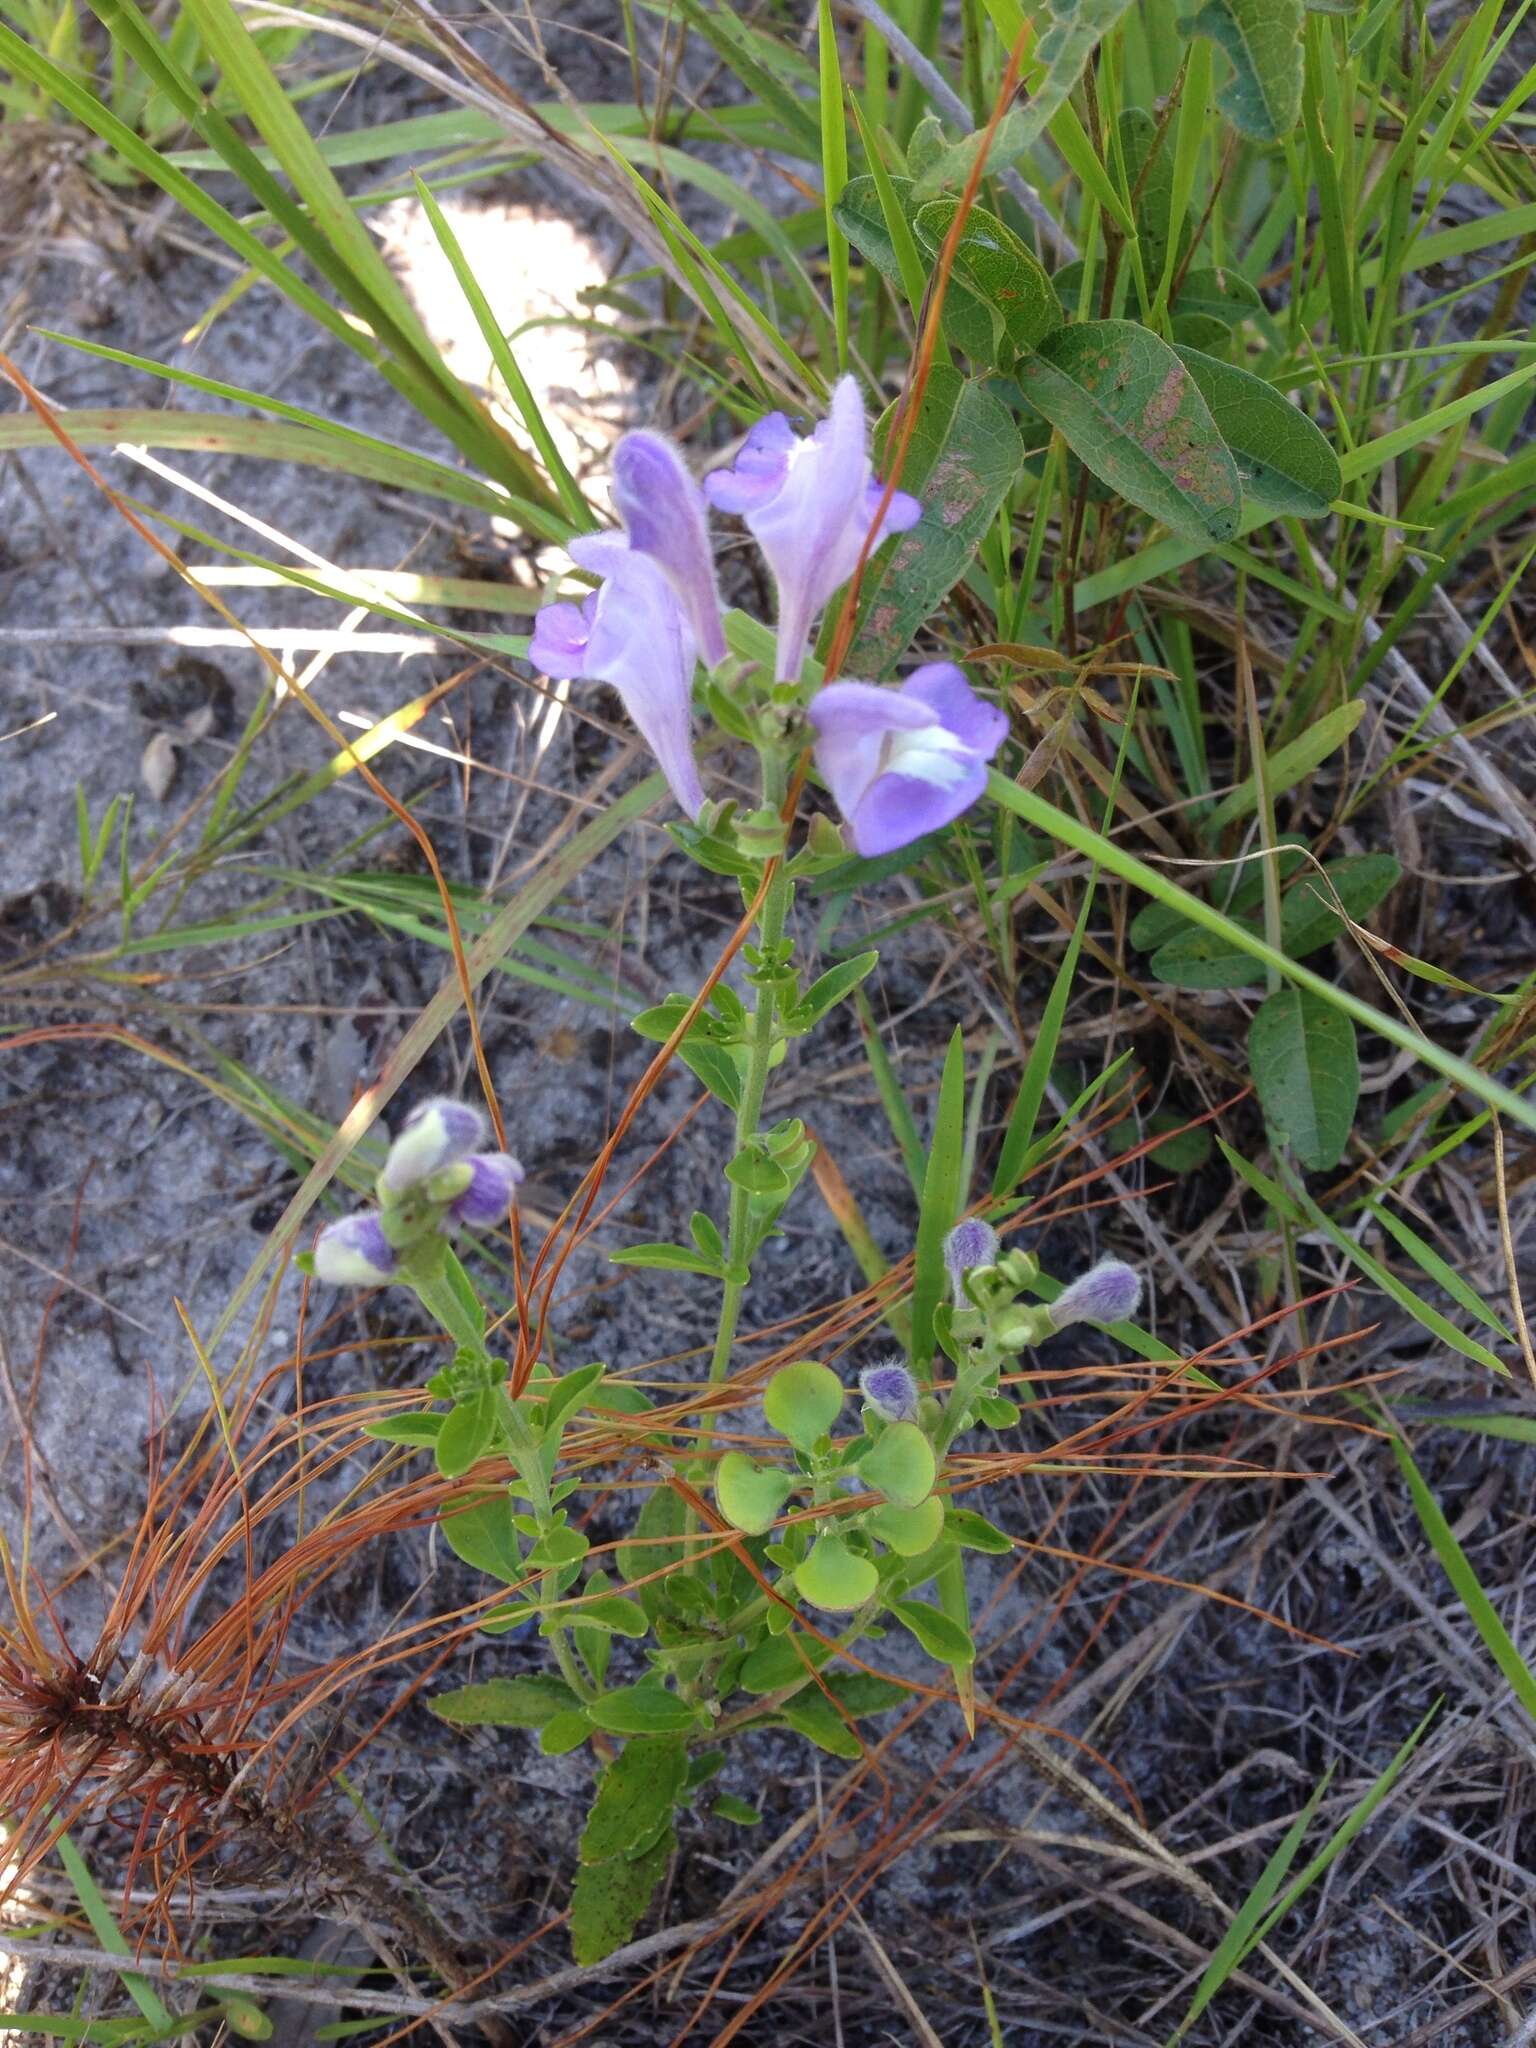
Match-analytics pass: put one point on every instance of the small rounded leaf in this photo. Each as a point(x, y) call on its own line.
point(802, 1401)
point(834, 1577)
point(900, 1465)
point(750, 1496)
point(908, 1531)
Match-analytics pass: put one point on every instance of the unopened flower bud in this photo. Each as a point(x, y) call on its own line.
point(1107, 1293)
point(355, 1252)
point(432, 1137)
point(449, 1182)
point(1021, 1326)
point(890, 1390)
point(494, 1178)
point(971, 1243)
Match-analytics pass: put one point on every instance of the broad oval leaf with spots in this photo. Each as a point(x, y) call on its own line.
point(967, 322)
point(964, 454)
point(990, 258)
point(1127, 406)
point(1284, 461)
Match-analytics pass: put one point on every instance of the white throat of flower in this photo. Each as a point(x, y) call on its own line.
point(932, 754)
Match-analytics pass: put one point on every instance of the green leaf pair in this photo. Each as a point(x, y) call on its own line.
point(1187, 956)
point(1302, 1049)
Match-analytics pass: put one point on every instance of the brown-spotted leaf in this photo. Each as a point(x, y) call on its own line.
point(1128, 408)
point(964, 454)
point(997, 266)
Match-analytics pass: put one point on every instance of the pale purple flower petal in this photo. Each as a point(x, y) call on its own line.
point(1109, 1292)
point(809, 504)
point(494, 1183)
point(890, 1390)
point(560, 636)
point(901, 515)
point(633, 634)
point(899, 808)
point(853, 709)
point(433, 1136)
point(942, 688)
point(903, 762)
point(602, 553)
point(855, 723)
point(761, 467)
point(971, 1243)
point(355, 1252)
point(664, 516)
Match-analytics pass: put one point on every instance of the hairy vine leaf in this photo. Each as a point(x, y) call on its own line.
point(609, 1898)
point(635, 1797)
point(1075, 31)
point(643, 1709)
point(528, 1700)
point(967, 322)
point(482, 1534)
point(940, 1634)
point(654, 1546)
point(1128, 407)
point(1000, 270)
point(1262, 38)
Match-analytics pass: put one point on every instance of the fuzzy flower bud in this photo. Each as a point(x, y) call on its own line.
point(890, 1390)
point(355, 1252)
point(433, 1136)
point(971, 1243)
point(1107, 1293)
point(494, 1178)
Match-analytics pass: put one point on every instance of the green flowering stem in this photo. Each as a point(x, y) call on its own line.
point(527, 1456)
point(984, 1360)
point(425, 1271)
point(754, 1085)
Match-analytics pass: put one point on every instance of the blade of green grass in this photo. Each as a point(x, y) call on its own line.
point(106, 1930)
point(569, 491)
point(1497, 1640)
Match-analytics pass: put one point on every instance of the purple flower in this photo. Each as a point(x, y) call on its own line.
point(1107, 1293)
point(971, 1243)
point(890, 1390)
point(631, 633)
point(355, 1252)
point(493, 1185)
point(665, 517)
point(809, 503)
point(433, 1136)
point(902, 762)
